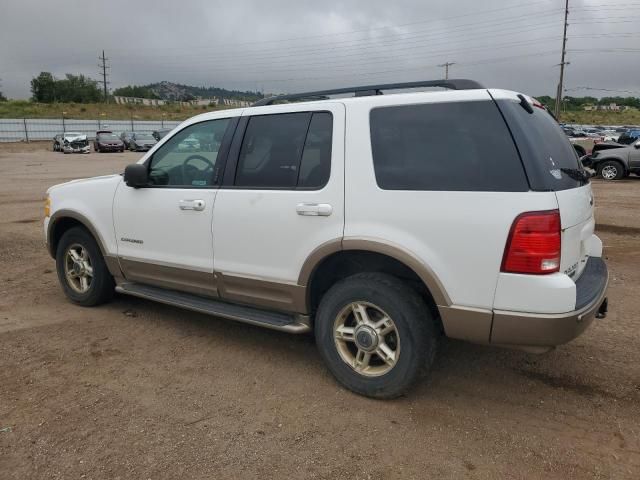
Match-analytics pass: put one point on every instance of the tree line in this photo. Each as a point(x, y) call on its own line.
point(45, 88)
point(135, 91)
point(578, 103)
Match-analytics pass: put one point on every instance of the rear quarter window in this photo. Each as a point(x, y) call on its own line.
point(455, 146)
point(545, 150)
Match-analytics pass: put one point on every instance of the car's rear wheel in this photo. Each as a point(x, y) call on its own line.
point(611, 170)
point(375, 334)
point(81, 269)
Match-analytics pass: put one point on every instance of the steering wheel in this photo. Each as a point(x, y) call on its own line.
point(192, 172)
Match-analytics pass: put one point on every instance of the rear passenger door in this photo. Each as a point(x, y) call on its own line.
point(282, 197)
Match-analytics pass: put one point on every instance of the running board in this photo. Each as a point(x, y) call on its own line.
point(284, 322)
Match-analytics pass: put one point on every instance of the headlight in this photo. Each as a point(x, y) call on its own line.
point(47, 206)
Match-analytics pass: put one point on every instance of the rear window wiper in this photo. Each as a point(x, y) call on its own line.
point(577, 174)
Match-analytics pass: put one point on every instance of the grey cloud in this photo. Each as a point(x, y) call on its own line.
point(289, 45)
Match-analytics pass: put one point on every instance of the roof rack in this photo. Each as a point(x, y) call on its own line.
point(367, 90)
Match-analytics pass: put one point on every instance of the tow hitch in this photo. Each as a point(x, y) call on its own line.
point(602, 311)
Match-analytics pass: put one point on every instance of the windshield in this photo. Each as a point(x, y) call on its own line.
point(144, 136)
point(107, 136)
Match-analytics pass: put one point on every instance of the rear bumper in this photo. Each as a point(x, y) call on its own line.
point(548, 329)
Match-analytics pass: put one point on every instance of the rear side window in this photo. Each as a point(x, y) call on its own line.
point(550, 160)
point(291, 150)
point(458, 146)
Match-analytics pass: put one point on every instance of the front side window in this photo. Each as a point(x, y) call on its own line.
point(457, 146)
point(287, 150)
point(188, 159)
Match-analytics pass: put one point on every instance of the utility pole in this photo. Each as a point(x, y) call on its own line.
point(103, 65)
point(562, 61)
point(446, 66)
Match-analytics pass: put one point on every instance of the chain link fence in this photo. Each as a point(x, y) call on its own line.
point(31, 129)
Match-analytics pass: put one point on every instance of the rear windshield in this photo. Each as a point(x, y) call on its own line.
point(451, 146)
point(549, 158)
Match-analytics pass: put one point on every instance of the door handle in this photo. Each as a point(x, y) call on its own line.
point(314, 209)
point(197, 205)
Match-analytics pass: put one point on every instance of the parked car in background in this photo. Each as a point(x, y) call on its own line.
point(610, 135)
point(75, 142)
point(159, 134)
point(615, 163)
point(141, 142)
point(107, 141)
point(629, 136)
point(606, 146)
point(57, 142)
point(126, 138)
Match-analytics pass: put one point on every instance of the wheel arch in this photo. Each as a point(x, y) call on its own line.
point(336, 259)
point(63, 220)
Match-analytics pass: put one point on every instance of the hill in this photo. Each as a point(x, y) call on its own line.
point(178, 92)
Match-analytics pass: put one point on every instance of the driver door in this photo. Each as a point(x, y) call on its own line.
point(164, 231)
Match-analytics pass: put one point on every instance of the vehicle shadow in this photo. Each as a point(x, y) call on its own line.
point(461, 369)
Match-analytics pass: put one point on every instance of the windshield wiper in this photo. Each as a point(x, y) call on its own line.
point(577, 174)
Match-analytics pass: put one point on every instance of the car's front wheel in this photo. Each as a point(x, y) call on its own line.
point(611, 170)
point(375, 334)
point(81, 269)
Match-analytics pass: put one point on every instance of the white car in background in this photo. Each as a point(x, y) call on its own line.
point(75, 142)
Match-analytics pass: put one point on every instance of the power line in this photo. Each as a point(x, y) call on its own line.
point(508, 25)
point(603, 90)
point(352, 32)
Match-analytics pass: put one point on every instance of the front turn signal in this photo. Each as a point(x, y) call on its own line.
point(47, 207)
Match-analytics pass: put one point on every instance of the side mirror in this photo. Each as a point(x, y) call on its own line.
point(136, 175)
point(637, 144)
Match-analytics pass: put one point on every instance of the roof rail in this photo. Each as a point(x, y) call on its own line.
point(367, 90)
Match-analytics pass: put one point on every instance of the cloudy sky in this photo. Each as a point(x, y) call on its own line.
point(296, 45)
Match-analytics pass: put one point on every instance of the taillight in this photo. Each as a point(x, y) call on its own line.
point(533, 246)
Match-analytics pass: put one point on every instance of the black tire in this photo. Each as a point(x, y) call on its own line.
point(613, 170)
point(101, 287)
point(413, 321)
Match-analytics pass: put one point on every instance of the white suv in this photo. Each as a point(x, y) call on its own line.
point(380, 222)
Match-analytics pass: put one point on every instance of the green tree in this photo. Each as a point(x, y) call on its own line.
point(73, 88)
point(135, 91)
point(43, 88)
point(2, 97)
point(78, 89)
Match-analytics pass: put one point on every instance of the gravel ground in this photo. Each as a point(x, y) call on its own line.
point(135, 389)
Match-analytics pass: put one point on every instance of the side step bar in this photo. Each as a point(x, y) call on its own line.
point(284, 322)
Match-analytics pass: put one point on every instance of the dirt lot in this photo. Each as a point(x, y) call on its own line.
point(138, 390)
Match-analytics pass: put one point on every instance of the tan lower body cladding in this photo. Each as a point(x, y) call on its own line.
point(249, 291)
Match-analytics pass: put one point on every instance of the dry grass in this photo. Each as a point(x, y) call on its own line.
point(92, 111)
point(628, 117)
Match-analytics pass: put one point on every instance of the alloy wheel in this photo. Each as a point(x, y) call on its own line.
point(609, 172)
point(366, 339)
point(78, 269)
